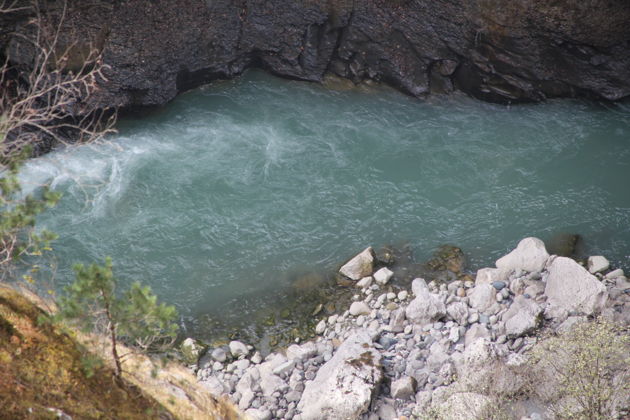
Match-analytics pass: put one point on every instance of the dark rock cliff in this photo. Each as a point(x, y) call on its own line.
point(496, 50)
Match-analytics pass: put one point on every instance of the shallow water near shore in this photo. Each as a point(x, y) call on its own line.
point(237, 189)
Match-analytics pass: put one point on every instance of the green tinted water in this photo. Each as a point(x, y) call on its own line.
point(235, 188)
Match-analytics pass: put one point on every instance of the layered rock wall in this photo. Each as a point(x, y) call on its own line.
point(496, 50)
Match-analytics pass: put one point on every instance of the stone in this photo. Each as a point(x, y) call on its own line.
point(219, 354)
point(523, 317)
point(320, 327)
point(359, 308)
point(571, 288)
point(383, 275)
point(238, 349)
point(403, 388)
point(490, 275)
point(418, 285)
point(482, 297)
point(259, 414)
point(475, 332)
point(397, 321)
point(499, 285)
point(343, 386)
point(365, 282)
point(360, 266)
point(458, 311)
point(426, 307)
point(270, 383)
point(615, 274)
point(386, 412)
point(597, 264)
point(530, 255)
point(402, 295)
point(246, 399)
point(256, 358)
point(284, 369)
point(301, 352)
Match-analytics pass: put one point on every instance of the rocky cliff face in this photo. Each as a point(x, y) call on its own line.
point(496, 50)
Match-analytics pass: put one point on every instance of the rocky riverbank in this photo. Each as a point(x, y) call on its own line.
point(457, 350)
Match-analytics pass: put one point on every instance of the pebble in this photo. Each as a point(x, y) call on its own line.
point(403, 295)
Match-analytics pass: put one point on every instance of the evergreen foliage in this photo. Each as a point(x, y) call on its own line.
point(133, 317)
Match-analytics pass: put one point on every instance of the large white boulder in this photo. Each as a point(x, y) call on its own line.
point(483, 296)
point(530, 255)
point(344, 386)
point(571, 288)
point(523, 316)
point(360, 266)
point(426, 307)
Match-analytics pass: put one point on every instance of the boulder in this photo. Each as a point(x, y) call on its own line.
point(523, 316)
point(483, 297)
point(475, 332)
point(490, 275)
point(359, 266)
point(383, 275)
point(404, 387)
point(238, 349)
point(359, 308)
point(571, 288)
point(344, 385)
point(418, 285)
point(303, 352)
point(458, 311)
point(530, 255)
point(597, 264)
point(426, 307)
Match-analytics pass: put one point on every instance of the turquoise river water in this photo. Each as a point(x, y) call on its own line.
point(234, 189)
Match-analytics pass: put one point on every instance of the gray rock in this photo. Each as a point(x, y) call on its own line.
point(458, 311)
point(320, 327)
point(344, 386)
point(397, 321)
point(418, 285)
point(360, 266)
point(238, 349)
point(386, 412)
point(383, 275)
point(475, 332)
point(219, 354)
point(490, 275)
point(301, 352)
point(530, 255)
point(498, 284)
point(365, 282)
point(270, 383)
point(403, 388)
point(293, 396)
point(482, 297)
point(523, 316)
point(359, 308)
point(426, 307)
point(246, 399)
point(571, 288)
point(597, 264)
point(615, 274)
point(284, 369)
point(259, 414)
